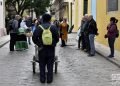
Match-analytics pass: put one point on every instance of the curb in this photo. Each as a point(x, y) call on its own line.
point(110, 60)
point(4, 43)
point(4, 40)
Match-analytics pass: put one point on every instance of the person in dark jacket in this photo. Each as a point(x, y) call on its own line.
point(111, 35)
point(46, 52)
point(83, 31)
point(29, 25)
point(85, 34)
point(92, 31)
point(13, 33)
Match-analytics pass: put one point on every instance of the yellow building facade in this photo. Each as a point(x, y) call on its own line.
point(103, 18)
point(99, 10)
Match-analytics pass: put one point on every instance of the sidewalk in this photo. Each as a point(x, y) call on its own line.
point(104, 51)
point(4, 40)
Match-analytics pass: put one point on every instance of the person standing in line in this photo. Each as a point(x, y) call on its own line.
point(57, 24)
point(29, 25)
point(86, 34)
point(64, 32)
point(79, 33)
point(34, 24)
point(10, 23)
point(78, 38)
point(92, 30)
point(111, 35)
point(46, 51)
point(13, 33)
point(7, 19)
point(83, 27)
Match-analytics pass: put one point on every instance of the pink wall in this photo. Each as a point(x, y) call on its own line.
point(2, 32)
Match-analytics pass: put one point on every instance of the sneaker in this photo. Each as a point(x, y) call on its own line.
point(11, 50)
point(85, 50)
point(90, 55)
point(42, 81)
point(78, 49)
point(110, 56)
point(82, 48)
point(49, 81)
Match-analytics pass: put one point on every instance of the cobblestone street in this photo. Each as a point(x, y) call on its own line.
point(75, 68)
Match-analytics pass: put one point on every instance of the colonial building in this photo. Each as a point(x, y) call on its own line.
point(55, 9)
point(64, 9)
point(2, 18)
point(101, 10)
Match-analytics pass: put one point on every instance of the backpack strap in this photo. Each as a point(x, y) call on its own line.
point(43, 28)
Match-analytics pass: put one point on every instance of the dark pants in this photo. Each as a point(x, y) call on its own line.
point(46, 59)
point(111, 42)
point(13, 38)
point(8, 31)
point(79, 40)
point(83, 41)
point(63, 43)
point(87, 43)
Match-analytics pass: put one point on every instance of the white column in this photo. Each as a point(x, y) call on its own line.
point(70, 12)
point(2, 18)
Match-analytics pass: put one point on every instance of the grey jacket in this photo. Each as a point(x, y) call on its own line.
point(14, 26)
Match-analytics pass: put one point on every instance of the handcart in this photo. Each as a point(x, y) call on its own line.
point(36, 60)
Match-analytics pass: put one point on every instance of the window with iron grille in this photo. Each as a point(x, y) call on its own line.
point(112, 5)
point(85, 10)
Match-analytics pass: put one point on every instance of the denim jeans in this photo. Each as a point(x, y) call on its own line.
point(79, 40)
point(29, 40)
point(92, 44)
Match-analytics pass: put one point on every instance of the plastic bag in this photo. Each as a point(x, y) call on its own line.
point(78, 33)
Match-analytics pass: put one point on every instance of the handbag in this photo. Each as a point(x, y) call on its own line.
point(117, 33)
point(105, 36)
point(79, 32)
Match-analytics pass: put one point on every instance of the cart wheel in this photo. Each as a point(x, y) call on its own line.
point(56, 65)
point(34, 65)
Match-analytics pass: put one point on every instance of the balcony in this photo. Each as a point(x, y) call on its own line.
point(63, 3)
point(68, 1)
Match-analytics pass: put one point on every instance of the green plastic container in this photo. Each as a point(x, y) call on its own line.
point(21, 45)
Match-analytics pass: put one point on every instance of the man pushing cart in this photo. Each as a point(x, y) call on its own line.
point(46, 37)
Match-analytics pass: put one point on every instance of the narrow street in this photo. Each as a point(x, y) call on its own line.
point(75, 68)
